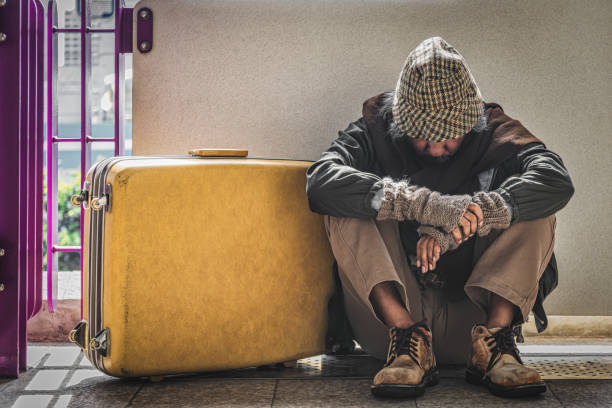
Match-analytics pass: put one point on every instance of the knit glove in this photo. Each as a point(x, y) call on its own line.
point(445, 239)
point(496, 214)
point(402, 201)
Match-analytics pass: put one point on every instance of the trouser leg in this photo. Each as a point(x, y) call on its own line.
point(369, 252)
point(512, 264)
point(451, 323)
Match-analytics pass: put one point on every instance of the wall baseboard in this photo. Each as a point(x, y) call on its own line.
point(572, 326)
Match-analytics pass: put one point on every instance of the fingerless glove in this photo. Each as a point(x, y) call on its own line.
point(403, 201)
point(445, 239)
point(495, 213)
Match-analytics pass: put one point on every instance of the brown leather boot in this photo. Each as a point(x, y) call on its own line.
point(495, 362)
point(410, 365)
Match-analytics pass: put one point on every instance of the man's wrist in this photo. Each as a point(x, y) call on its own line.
point(377, 199)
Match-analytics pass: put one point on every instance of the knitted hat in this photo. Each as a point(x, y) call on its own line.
point(436, 97)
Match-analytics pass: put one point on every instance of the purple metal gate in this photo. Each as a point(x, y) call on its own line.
point(122, 28)
point(21, 157)
point(21, 175)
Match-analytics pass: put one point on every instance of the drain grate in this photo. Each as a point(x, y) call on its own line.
point(552, 368)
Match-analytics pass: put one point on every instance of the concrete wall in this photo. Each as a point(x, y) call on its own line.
point(281, 77)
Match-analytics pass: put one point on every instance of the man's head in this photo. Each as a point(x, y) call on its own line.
point(430, 152)
point(439, 152)
point(436, 101)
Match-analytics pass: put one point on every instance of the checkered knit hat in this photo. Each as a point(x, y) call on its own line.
point(436, 97)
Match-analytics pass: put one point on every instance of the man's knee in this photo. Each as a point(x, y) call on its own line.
point(539, 227)
point(349, 225)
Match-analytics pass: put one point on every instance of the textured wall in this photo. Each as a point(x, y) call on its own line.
point(281, 77)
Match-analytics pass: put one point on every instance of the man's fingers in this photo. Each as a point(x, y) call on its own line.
point(424, 261)
point(465, 227)
point(419, 252)
point(475, 209)
point(430, 250)
point(456, 235)
point(473, 221)
point(437, 251)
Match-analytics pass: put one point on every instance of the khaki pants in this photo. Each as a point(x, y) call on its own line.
point(369, 252)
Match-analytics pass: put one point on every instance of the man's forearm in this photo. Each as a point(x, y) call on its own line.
point(542, 187)
point(404, 201)
point(340, 190)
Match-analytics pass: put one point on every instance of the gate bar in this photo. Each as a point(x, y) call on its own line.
point(86, 139)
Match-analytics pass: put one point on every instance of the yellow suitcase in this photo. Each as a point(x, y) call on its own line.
point(201, 262)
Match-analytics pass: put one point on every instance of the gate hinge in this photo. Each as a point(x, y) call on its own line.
point(144, 30)
point(125, 30)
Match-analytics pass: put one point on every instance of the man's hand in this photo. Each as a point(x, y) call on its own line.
point(427, 253)
point(471, 220)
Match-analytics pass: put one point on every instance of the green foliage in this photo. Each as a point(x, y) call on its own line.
point(69, 233)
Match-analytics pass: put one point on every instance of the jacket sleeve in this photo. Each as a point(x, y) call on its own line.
point(339, 184)
point(542, 188)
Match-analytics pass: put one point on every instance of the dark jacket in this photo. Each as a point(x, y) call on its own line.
point(343, 181)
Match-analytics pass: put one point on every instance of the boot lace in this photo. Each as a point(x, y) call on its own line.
point(500, 343)
point(405, 341)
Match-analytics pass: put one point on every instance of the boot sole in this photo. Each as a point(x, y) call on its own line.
point(430, 379)
point(474, 377)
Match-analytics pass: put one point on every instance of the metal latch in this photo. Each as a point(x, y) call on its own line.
point(101, 343)
point(78, 335)
point(82, 197)
point(104, 201)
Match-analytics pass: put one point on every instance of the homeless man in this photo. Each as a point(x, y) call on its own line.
point(439, 209)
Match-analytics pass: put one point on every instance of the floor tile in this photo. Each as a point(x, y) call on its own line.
point(36, 354)
point(82, 375)
point(14, 387)
point(32, 401)
point(583, 393)
point(46, 380)
point(62, 401)
point(77, 388)
point(197, 391)
point(94, 389)
point(63, 357)
point(84, 362)
point(459, 394)
point(330, 393)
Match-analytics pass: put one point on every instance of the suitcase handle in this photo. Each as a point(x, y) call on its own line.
point(219, 152)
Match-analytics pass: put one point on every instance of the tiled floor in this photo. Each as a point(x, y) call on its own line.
point(59, 377)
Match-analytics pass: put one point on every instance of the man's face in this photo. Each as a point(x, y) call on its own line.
point(436, 153)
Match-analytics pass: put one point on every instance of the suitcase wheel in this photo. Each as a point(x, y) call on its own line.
point(289, 364)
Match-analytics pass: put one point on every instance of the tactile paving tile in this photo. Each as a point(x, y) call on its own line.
point(567, 367)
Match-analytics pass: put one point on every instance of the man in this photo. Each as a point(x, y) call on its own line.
point(439, 209)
